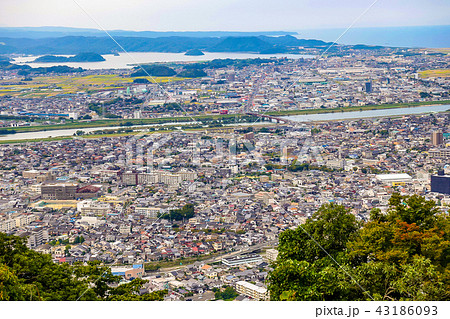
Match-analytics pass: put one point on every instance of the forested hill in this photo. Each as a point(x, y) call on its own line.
point(81, 57)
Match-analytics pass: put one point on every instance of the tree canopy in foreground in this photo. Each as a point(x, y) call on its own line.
point(401, 255)
point(29, 275)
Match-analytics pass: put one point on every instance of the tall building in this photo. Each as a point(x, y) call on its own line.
point(369, 87)
point(37, 237)
point(437, 138)
point(440, 183)
point(59, 191)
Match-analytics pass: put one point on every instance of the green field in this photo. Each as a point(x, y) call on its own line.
point(443, 73)
point(47, 86)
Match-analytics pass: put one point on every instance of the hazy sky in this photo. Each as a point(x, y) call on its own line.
point(222, 15)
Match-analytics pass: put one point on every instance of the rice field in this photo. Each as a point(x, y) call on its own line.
point(443, 73)
point(48, 86)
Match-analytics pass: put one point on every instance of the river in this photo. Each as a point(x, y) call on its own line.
point(126, 60)
point(368, 114)
point(71, 132)
point(298, 118)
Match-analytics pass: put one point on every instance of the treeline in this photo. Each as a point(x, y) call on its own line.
point(294, 167)
point(223, 63)
point(194, 70)
point(6, 131)
point(153, 70)
point(26, 70)
point(401, 255)
point(228, 293)
point(192, 73)
point(12, 117)
point(186, 212)
point(29, 275)
point(162, 70)
point(81, 57)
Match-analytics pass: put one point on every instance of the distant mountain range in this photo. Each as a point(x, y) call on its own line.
point(73, 41)
point(105, 45)
point(57, 32)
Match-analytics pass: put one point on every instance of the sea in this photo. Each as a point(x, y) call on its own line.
point(128, 60)
point(412, 37)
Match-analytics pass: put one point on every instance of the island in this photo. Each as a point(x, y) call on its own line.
point(194, 52)
point(81, 57)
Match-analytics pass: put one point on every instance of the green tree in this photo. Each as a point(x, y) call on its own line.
point(28, 275)
point(305, 268)
point(400, 255)
point(186, 212)
point(227, 294)
point(330, 228)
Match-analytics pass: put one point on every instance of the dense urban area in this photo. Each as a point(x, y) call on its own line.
point(191, 172)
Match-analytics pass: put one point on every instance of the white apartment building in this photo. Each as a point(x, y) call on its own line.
point(19, 221)
point(24, 220)
point(7, 225)
point(90, 207)
point(439, 153)
point(272, 254)
point(252, 291)
point(150, 212)
point(37, 238)
point(147, 178)
point(165, 177)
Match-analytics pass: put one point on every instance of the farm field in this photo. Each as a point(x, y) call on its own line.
point(48, 86)
point(443, 73)
point(442, 50)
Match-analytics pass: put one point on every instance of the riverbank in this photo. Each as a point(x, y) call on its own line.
point(120, 122)
point(119, 127)
point(357, 108)
point(100, 134)
point(200, 118)
point(60, 138)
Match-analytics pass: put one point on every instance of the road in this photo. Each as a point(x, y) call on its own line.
point(217, 258)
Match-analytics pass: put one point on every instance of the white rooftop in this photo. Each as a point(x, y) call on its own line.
point(251, 286)
point(403, 177)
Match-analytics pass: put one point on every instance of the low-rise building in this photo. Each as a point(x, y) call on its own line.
point(240, 260)
point(251, 290)
point(129, 273)
point(272, 254)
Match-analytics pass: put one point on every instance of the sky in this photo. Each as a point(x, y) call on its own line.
point(221, 15)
